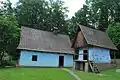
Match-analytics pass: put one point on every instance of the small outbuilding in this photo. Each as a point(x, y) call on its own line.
point(44, 49)
point(92, 47)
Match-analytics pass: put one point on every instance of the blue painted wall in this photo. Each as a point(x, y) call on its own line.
point(44, 59)
point(96, 54)
point(99, 55)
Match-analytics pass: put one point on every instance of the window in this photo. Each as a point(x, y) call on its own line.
point(85, 57)
point(76, 57)
point(85, 51)
point(34, 57)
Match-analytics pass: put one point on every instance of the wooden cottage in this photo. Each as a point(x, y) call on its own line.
point(44, 49)
point(92, 48)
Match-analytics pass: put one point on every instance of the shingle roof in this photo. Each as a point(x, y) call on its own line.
point(97, 38)
point(33, 39)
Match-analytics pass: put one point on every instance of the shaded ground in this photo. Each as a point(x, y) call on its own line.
point(34, 74)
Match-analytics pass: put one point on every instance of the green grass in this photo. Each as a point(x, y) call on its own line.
point(105, 75)
point(34, 74)
point(53, 74)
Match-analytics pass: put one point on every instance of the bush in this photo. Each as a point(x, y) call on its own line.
point(9, 37)
point(7, 61)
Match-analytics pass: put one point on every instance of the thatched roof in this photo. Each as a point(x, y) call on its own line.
point(37, 40)
point(97, 38)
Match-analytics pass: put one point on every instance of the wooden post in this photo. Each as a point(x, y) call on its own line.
point(74, 65)
point(88, 60)
point(81, 66)
point(86, 66)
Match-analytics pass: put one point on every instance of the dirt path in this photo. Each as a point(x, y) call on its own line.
point(71, 73)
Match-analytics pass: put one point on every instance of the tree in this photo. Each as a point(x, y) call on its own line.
point(9, 34)
point(6, 8)
point(99, 13)
point(81, 17)
point(31, 12)
point(57, 16)
point(96, 14)
point(114, 33)
point(42, 14)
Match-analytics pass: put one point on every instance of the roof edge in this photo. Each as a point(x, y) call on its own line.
point(72, 52)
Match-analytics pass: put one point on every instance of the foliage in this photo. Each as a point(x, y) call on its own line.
point(114, 33)
point(6, 8)
point(96, 14)
point(81, 17)
point(9, 35)
point(42, 14)
point(107, 11)
point(6, 60)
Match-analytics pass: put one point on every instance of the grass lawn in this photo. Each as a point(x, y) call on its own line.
point(105, 75)
point(34, 74)
point(53, 74)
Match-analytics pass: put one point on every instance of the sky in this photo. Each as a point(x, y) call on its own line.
point(73, 5)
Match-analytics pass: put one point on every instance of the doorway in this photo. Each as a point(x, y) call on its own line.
point(61, 61)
